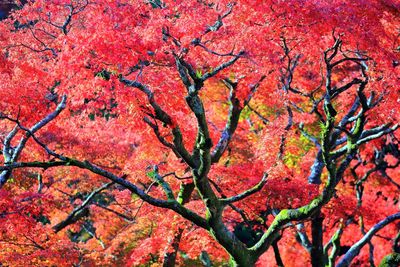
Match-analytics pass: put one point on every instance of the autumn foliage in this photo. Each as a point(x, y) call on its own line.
point(191, 133)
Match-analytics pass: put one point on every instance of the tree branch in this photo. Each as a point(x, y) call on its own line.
point(223, 66)
point(355, 249)
point(162, 116)
point(5, 175)
point(79, 211)
point(254, 189)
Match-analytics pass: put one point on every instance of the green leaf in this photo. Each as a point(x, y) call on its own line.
point(199, 73)
point(91, 116)
point(151, 174)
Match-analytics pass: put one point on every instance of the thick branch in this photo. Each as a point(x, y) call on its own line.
point(162, 116)
point(355, 249)
point(13, 157)
point(231, 124)
point(79, 211)
point(66, 161)
point(164, 185)
point(223, 66)
point(246, 193)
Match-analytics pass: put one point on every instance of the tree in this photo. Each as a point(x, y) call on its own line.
point(147, 124)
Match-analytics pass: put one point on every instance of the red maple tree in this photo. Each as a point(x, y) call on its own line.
point(200, 132)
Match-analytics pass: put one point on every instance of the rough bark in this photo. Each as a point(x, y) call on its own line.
point(317, 249)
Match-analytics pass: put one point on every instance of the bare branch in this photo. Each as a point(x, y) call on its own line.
point(254, 189)
point(79, 211)
point(162, 116)
point(231, 124)
point(218, 24)
point(286, 130)
point(4, 176)
point(221, 67)
point(261, 117)
point(355, 249)
point(160, 180)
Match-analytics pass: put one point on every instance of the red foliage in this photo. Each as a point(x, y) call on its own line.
point(83, 50)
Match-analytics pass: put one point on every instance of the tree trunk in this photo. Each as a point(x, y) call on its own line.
point(278, 258)
point(317, 249)
point(183, 197)
point(242, 261)
point(170, 257)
